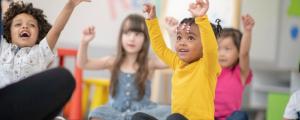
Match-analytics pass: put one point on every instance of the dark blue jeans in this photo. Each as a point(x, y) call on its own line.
point(238, 115)
point(143, 116)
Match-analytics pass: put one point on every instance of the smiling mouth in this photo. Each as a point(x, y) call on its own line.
point(24, 35)
point(222, 60)
point(183, 51)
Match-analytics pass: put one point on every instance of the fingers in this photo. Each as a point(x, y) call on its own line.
point(202, 2)
point(148, 7)
point(89, 30)
point(192, 6)
point(247, 19)
point(171, 21)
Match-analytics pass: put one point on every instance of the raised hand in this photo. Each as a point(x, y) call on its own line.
point(248, 22)
point(76, 2)
point(88, 34)
point(199, 8)
point(149, 9)
point(172, 24)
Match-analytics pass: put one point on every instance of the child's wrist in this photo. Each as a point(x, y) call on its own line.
point(151, 18)
point(83, 42)
point(70, 4)
point(247, 31)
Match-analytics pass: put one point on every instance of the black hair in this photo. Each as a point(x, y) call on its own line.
point(16, 8)
point(216, 28)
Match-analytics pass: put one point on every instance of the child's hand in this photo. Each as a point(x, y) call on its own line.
point(172, 24)
point(248, 22)
point(199, 8)
point(88, 34)
point(149, 9)
point(74, 3)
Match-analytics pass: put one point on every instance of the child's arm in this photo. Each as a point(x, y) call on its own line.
point(61, 21)
point(208, 39)
point(82, 58)
point(248, 24)
point(156, 38)
point(156, 63)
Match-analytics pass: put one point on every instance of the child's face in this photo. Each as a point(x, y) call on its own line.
point(228, 52)
point(188, 44)
point(24, 30)
point(132, 41)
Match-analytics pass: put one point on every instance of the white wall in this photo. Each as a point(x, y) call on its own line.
point(272, 46)
point(97, 13)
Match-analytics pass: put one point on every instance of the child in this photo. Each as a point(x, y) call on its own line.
point(234, 51)
point(27, 50)
point(29, 40)
point(195, 62)
point(131, 72)
point(292, 110)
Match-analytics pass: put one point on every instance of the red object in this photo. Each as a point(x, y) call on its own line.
point(73, 108)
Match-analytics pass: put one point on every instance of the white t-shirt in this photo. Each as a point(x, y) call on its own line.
point(17, 64)
point(293, 106)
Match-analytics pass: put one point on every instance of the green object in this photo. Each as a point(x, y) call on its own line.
point(294, 8)
point(276, 105)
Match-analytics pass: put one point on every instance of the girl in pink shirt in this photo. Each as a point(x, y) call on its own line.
point(234, 51)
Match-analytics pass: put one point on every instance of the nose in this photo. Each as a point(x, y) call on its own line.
point(182, 43)
point(221, 53)
point(24, 26)
point(132, 37)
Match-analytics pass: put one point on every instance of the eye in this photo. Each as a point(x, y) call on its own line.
point(178, 37)
point(126, 32)
point(191, 38)
point(32, 25)
point(140, 34)
point(17, 24)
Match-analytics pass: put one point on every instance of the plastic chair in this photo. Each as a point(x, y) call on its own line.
point(95, 93)
point(73, 109)
point(276, 105)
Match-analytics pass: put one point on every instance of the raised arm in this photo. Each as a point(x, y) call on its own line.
point(61, 21)
point(82, 58)
point(248, 24)
point(156, 63)
point(156, 38)
point(208, 39)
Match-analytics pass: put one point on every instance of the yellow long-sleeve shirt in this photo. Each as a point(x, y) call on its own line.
point(193, 86)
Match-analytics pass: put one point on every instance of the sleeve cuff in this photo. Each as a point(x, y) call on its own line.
point(152, 22)
point(198, 20)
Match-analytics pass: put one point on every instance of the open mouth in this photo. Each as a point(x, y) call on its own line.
point(24, 34)
point(182, 52)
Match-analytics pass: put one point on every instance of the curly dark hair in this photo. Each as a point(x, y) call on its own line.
point(216, 28)
point(16, 8)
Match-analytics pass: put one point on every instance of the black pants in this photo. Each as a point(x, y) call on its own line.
point(143, 116)
point(39, 97)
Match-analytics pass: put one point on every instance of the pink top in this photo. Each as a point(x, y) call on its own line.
point(229, 92)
